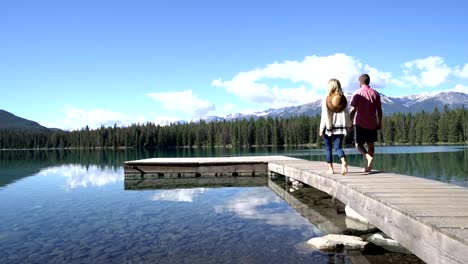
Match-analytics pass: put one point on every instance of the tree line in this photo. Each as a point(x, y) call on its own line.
point(446, 126)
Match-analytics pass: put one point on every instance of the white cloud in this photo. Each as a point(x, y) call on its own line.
point(227, 107)
point(179, 195)
point(76, 118)
point(463, 72)
point(293, 96)
point(244, 86)
point(428, 72)
point(310, 75)
point(399, 83)
point(378, 79)
point(460, 88)
point(84, 176)
point(254, 204)
point(185, 102)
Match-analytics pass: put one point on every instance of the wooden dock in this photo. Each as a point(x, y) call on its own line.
point(197, 167)
point(170, 173)
point(429, 218)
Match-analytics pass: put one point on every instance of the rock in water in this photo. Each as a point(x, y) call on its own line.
point(387, 243)
point(355, 216)
point(333, 242)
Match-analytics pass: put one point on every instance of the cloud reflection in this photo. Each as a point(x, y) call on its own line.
point(178, 195)
point(259, 204)
point(85, 176)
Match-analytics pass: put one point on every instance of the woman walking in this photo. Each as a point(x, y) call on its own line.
point(334, 123)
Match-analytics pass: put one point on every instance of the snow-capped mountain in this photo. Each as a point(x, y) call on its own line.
point(412, 99)
point(390, 105)
point(424, 102)
point(308, 109)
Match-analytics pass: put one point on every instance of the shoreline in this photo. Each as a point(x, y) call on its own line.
point(317, 146)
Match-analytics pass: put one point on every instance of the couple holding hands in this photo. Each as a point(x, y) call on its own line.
point(364, 114)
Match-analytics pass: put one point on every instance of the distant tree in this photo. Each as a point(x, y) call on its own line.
point(448, 126)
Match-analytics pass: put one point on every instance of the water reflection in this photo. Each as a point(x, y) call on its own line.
point(85, 176)
point(111, 225)
point(419, 149)
point(178, 195)
point(18, 164)
point(449, 167)
point(444, 163)
point(318, 207)
point(258, 204)
point(107, 224)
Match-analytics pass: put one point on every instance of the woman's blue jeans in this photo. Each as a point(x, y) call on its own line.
point(337, 142)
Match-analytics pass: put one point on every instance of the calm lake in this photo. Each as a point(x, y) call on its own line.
point(71, 207)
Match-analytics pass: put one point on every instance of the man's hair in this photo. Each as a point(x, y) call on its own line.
point(364, 79)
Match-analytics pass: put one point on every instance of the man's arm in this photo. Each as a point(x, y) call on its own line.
point(352, 113)
point(323, 117)
point(379, 116)
point(352, 107)
point(379, 112)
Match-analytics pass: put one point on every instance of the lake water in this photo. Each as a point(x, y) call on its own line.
point(71, 207)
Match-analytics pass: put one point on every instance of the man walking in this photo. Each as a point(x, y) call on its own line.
point(366, 113)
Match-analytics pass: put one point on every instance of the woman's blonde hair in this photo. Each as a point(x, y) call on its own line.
point(334, 87)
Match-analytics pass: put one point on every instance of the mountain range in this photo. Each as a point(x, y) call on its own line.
point(390, 105)
point(403, 104)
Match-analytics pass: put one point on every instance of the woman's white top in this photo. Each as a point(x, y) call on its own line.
point(334, 123)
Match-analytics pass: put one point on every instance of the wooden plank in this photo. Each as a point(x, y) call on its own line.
point(457, 233)
point(413, 195)
point(360, 176)
point(418, 200)
point(432, 207)
point(437, 191)
point(210, 160)
point(382, 181)
point(377, 180)
point(402, 187)
point(440, 213)
point(446, 222)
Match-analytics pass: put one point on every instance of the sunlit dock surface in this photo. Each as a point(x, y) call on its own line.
point(429, 218)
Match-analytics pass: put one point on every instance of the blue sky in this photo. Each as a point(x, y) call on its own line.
point(69, 64)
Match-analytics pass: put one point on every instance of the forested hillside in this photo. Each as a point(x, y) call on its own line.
point(446, 126)
point(12, 122)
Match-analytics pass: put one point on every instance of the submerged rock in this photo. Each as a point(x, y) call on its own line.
point(356, 228)
point(355, 216)
point(333, 242)
point(389, 244)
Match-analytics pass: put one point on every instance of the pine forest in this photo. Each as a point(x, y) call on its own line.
point(446, 126)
